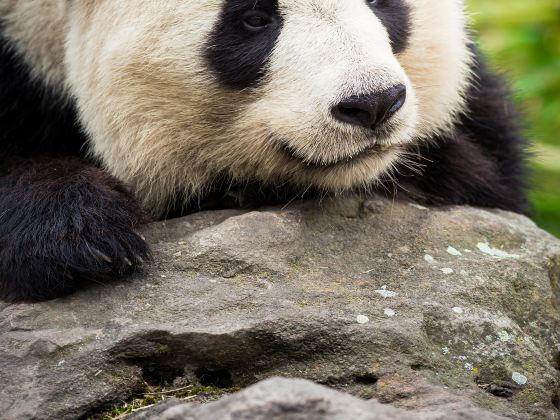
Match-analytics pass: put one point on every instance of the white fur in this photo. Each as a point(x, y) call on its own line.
point(161, 123)
point(437, 61)
point(38, 30)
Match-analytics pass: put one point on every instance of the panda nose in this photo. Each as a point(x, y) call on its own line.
point(371, 110)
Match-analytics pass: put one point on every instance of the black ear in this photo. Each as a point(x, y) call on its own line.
point(64, 224)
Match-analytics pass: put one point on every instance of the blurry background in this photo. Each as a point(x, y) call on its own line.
point(522, 39)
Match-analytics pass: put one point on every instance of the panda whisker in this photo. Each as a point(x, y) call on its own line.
point(427, 87)
point(295, 198)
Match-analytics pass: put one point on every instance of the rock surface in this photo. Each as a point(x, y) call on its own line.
point(298, 399)
point(425, 309)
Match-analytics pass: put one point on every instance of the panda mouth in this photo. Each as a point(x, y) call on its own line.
point(370, 151)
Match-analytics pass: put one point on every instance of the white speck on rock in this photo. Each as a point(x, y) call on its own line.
point(494, 252)
point(504, 336)
point(362, 319)
point(458, 310)
point(445, 350)
point(519, 379)
point(469, 366)
point(447, 270)
point(178, 254)
point(386, 293)
point(389, 312)
point(429, 259)
point(61, 362)
point(453, 251)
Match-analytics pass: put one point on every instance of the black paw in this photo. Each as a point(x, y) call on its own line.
point(64, 225)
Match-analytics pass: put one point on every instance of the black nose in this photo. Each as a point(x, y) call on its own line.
point(371, 110)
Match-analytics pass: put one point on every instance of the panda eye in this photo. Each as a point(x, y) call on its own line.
point(255, 20)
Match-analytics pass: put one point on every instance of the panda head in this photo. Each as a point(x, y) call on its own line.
point(314, 93)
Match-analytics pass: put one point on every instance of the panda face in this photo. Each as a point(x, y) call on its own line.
point(331, 104)
point(322, 93)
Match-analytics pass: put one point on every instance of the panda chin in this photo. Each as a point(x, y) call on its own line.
point(378, 150)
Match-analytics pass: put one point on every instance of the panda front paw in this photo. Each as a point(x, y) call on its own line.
point(52, 265)
point(63, 230)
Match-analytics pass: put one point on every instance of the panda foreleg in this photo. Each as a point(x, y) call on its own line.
point(63, 224)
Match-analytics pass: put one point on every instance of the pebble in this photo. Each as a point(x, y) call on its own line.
point(389, 312)
point(453, 251)
point(519, 379)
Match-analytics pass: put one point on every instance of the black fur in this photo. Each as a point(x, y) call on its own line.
point(483, 161)
point(63, 224)
point(33, 118)
point(395, 16)
point(237, 56)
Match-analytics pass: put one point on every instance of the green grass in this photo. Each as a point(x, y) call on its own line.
point(546, 191)
point(522, 40)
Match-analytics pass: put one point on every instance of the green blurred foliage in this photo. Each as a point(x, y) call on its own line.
point(522, 39)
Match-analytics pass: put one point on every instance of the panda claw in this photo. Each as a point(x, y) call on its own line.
point(140, 235)
point(103, 256)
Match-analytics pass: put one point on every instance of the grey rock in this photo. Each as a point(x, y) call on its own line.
point(156, 411)
point(439, 309)
point(298, 399)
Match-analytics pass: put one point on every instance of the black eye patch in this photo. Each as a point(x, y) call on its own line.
point(236, 55)
point(395, 16)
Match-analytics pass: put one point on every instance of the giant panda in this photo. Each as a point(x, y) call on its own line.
point(113, 113)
